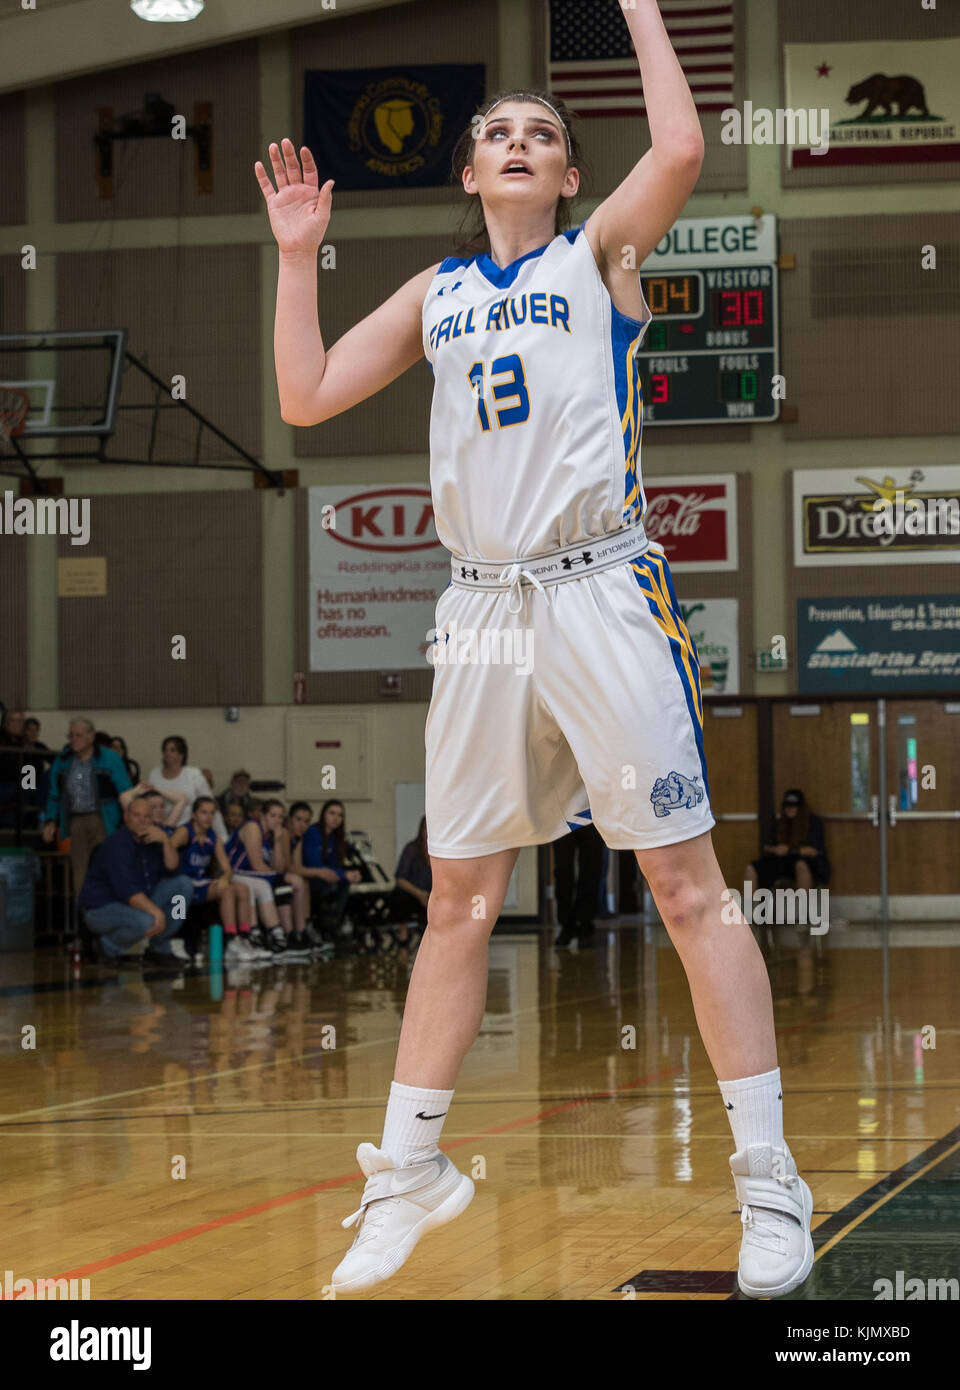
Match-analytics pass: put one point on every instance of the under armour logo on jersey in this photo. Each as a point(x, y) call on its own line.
point(568, 561)
point(448, 289)
point(469, 574)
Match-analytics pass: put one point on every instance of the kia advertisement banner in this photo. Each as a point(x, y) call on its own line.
point(694, 518)
point(377, 569)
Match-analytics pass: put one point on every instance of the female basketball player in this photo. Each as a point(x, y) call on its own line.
point(535, 433)
point(259, 855)
point(199, 846)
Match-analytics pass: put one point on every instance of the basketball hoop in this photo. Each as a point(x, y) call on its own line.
point(14, 409)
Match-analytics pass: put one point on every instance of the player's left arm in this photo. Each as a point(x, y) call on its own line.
point(643, 208)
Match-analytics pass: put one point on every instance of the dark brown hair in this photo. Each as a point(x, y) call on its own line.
point(472, 236)
point(338, 835)
point(794, 830)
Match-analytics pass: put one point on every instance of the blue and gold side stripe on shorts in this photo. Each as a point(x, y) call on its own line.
point(653, 577)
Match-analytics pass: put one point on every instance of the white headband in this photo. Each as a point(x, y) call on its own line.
point(541, 101)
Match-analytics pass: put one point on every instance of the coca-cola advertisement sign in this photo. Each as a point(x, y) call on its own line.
point(694, 519)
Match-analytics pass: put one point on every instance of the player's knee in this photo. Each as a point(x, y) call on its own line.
point(455, 905)
point(683, 903)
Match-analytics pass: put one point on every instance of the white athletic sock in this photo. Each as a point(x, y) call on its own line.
point(414, 1120)
point(754, 1106)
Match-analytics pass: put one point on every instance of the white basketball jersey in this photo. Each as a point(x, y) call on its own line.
point(537, 407)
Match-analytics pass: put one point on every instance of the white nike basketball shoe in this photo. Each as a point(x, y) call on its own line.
point(399, 1206)
point(776, 1252)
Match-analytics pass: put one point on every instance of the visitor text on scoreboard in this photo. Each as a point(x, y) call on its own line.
point(711, 351)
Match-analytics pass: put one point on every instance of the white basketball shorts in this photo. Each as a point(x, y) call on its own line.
point(584, 706)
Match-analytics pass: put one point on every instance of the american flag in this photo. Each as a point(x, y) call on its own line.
point(593, 65)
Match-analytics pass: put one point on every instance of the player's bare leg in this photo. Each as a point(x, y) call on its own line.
point(411, 1186)
point(733, 1004)
point(448, 987)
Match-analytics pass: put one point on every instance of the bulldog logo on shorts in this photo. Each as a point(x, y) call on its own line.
point(675, 792)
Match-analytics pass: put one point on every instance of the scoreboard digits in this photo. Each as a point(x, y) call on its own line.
point(710, 352)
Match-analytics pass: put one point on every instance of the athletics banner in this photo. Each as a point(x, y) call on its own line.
point(889, 103)
point(389, 127)
point(712, 623)
point(890, 646)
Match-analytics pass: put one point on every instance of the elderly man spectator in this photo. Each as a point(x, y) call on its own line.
point(126, 898)
point(89, 787)
point(237, 794)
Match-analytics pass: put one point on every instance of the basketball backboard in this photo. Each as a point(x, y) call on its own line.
point(72, 380)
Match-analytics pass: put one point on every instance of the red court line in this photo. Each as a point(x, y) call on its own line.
point(218, 1222)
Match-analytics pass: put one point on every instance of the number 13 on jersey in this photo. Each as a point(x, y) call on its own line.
point(514, 388)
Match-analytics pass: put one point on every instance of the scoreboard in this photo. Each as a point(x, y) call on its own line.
point(711, 351)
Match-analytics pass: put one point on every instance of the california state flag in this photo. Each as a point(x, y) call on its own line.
point(889, 103)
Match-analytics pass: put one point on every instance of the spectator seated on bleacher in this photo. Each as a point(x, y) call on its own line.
point(119, 745)
point(795, 853)
point(204, 860)
point(237, 794)
point(131, 889)
point(174, 774)
point(321, 858)
point(164, 811)
point(408, 901)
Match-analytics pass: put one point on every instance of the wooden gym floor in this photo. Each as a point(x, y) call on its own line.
point(598, 1166)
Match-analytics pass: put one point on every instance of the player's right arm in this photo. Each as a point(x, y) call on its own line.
point(315, 384)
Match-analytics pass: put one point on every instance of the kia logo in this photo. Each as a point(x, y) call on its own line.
point(389, 518)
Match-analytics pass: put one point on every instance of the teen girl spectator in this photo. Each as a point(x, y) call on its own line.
point(200, 849)
point(321, 858)
point(795, 847)
point(158, 803)
point(259, 853)
point(297, 823)
point(414, 881)
point(119, 745)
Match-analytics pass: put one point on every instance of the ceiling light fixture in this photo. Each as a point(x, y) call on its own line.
point(166, 11)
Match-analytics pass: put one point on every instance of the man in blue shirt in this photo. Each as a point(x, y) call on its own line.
point(126, 896)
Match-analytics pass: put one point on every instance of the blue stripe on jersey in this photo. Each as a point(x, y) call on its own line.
point(626, 335)
point(501, 276)
point(651, 584)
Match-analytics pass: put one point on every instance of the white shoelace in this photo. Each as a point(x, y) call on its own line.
point(513, 576)
point(370, 1220)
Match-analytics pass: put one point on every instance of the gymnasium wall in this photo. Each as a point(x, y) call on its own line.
point(179, 566)
point(193, 277)
point(192, 311)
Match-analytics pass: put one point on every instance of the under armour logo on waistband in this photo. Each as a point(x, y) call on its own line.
point(568, 562)
point(469, 574)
